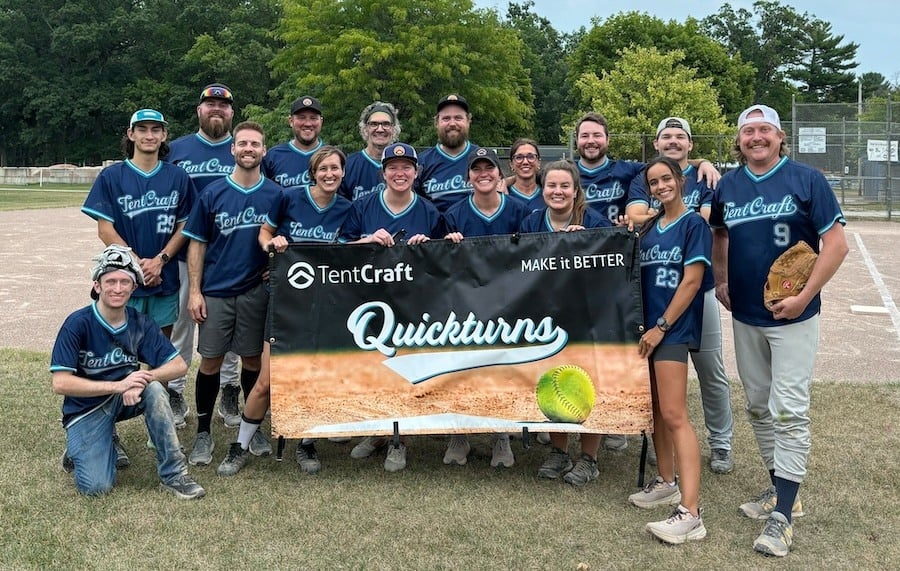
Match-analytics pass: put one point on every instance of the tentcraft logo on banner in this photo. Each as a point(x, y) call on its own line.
point(445, 337)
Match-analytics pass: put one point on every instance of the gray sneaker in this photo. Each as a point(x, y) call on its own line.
point(657, 493)
point(368, 446)
point(396, 458)
point(584, 471)
point(543, 438)
point(679, 527)
point(122, 460)
point(776, 537)
point(764, 504)
point(179, 408)
point(259, 444)
point(236, 459)
point(458, 450)
point(228, 405)
point(502, 456)
point(184, 488)
point(201, 453)
point(721, 461)
point(308, 458)
point(556, 464)
point(615, 442)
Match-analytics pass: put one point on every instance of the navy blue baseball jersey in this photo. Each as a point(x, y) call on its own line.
point(765, 215)
point(287, 165)
point(533, 202)
point(466, 218)
point(227, 217)
point(665, 252)
point(297, 217)
point(444, 179)
point(144, 209)
point(539, 221)
point(371, 213)
point(202, 160)
point(606, 187)
point(93, 349)
point(362, 176)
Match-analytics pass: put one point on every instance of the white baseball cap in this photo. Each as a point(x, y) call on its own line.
point(673, 123)
point(769, 115)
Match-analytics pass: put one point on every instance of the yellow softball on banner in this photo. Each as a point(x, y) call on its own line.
point(566, 394)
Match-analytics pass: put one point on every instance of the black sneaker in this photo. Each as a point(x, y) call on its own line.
point(228, 405)
point(122, 460)
point(308, 458)
point(184, 488)
point(68, 465)
point(179, 408)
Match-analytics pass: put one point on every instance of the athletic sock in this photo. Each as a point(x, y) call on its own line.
point(787, 494)
point(207, 391)
point(248, 379)
point(772, 476)
point(248, 428)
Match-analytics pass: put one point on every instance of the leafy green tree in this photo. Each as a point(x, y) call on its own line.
point(874, 84)
point(645, 86)
point(546, 53)
point(598, 51)
point(411, 54)
point(824, 70)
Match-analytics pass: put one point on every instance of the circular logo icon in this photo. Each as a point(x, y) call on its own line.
point(399, 151)
point(301, 275)
point(452, 98)
point(307, 101)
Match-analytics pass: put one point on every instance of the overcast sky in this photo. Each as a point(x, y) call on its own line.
point(870, 23)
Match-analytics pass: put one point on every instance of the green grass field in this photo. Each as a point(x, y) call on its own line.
point(50, 196)
point(353, 515)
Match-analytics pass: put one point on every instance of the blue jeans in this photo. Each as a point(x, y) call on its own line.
point(89, 440)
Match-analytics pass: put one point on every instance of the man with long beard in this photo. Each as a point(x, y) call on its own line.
point(206, 156)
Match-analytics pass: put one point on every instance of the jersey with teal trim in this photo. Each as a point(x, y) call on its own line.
point(765, 215)
point(539, 221)
point(464, 217)
point(297, 217)
point(202, 160)
point(371, 213)
point(362, 176)
point(444, 179)
point(287, 165)
point(606, 187)
point(227, 218)
point(144, 208)
point(696, 195)
point(665, 252)
point(88, 346)
point(533, 203)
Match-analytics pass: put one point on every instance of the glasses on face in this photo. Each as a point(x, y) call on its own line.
point(530, 157)
point(217, 92)
point(379, 124)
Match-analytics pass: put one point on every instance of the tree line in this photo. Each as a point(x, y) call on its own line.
point(74, 70)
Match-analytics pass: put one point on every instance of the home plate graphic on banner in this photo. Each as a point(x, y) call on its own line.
point(494, 334)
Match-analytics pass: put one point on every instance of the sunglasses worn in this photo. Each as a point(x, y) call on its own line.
point(218, 92)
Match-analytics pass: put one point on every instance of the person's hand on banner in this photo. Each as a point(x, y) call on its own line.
point(455, 237)
point(418, 239)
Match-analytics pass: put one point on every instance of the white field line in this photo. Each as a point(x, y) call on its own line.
point(882, 289)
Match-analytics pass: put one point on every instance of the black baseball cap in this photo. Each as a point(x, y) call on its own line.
point(483, 154)
point(306, 102)
point(453, 99)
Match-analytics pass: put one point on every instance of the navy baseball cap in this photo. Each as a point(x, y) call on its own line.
point(453, 99)
point(216, 91)
point(151, 115)
point(483, 154)
point(306, 102)
point(399, 151)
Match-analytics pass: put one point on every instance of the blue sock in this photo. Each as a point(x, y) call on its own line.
point(787, 493)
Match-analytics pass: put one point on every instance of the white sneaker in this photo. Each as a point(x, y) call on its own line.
point(656, 493)
point(502, 456)
point(396, 459)
point(367, 446)
point(458, 450)
point(679, 527)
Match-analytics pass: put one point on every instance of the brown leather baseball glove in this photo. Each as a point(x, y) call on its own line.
point(789, 273)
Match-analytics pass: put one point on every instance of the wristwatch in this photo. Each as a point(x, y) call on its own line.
point(663, 324)
point(164, 257)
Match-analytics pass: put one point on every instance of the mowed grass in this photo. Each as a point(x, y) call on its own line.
point(353, 515)
point(50, 196)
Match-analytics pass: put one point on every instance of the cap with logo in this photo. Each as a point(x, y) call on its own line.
point(306, 102)
point(453, 99)
point(216, 91)
point(673, 123)
point(399, 151)
point(483, 154)
point(147, 115)
point(769, 115)
point(116, 258)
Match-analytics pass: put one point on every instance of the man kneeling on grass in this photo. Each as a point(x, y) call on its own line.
point(96, 366)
